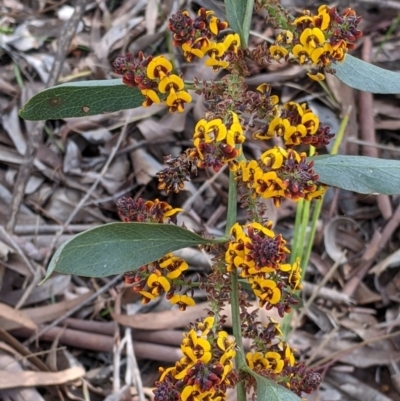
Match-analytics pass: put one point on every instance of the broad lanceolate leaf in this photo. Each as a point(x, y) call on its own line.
point(366, 77)
point(238, 14)
point(81, 99)
point(365, 175)
point(119, 247)
point(268, 390)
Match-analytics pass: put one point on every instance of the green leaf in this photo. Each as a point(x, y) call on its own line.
point(268, 390)
point(365, 175)
point(238, 14)
point(367, 77)
point(81, 99)
point(119, 247)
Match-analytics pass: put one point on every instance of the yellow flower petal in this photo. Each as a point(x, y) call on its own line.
point(158, 67)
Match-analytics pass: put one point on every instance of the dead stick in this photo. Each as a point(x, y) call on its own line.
point(104, 343)
point(367, 128)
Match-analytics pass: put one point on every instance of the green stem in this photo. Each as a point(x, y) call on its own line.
point(297, 245)
point(302, 216)
point(236, 326)
point(232, 204)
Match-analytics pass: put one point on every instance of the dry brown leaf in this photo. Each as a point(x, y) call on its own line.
point(117, 32)
point(391, 125)
point(31, 378)
point(11, 124)
point(363, 295)
point(153, 130)
point(44, 314)
point(19, 393)
point(11, 316)
point(356, 388)
point(54, 286)
point(330, 235)
point(145, 166)
point(363, 357)
point(393, 260)
point(151, 16)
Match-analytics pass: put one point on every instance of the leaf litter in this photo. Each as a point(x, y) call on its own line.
point(351, 327)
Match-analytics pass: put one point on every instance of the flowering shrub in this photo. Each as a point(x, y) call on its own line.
point(253, 251)
point(251, 260)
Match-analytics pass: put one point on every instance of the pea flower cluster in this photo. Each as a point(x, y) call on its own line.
point(318, 40)
point(272, 357)
point(252, 250)
point(279, 174)
point(201, 37)
point(297, 125)
point(206, 369)
point(163, 275)
point(215, 140)
point(259, 254)
point(154, 79)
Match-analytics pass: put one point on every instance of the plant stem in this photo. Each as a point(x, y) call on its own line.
point(232, 204)
point(236, 326)
point(302, 217)
point(296, 245)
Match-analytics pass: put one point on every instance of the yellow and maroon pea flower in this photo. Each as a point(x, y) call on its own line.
point(257, 361)
point(191, 51)
point(274, 158)
point(285, 37)
point(183, 301)
point(293, 136)
point(294, 110)
point(265, 183)
point(216, 25)
point(158, 68)
point(146, 297)
point(262, 183)
point(305, 20)
point(278, 52)
point(142, 211)
point(193, 393)
point(301, 53)
point(215, 50)
point(200, 130)
point(321, 56)
point(278, 127)
point(235, 135)
point(174, 265)
point(311, 38)
point(267, 291)
point(216, 63)
point(197, 348)
point(160, 211)
point(276, 362)
point(150, 97)
point(176, 101)
point(281, 174)
point(248, 170)
point(225, 342)
point(311, 122)
point(158, 284)
point(232, 42)
point(235, 254)
point(171, 83)
point(215, 131)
